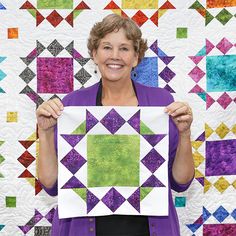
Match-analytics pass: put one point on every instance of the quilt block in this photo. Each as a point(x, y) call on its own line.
point(113, 160)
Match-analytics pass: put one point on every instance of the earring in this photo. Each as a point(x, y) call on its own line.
point(95, 69)
point(134, 72)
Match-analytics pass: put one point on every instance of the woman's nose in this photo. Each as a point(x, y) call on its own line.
point(115, 53)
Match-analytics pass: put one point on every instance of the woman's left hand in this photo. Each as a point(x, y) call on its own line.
point(182, 116)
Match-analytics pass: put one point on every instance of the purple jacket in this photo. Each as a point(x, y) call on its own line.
point(158, 226)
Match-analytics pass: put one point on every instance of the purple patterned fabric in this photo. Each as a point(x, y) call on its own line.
point(73, 161)
point(92, 201)
point(112, 121)
point(153, 160)
point(153, 139)
point(219, 229)
point(134, 199)
point(134, 121)
point(50, 214)
point(73, 182)
point(220, 157)
point(91, 121)
point(152, 181)
point(73, 139)
point(113, 199)
point(54, 75)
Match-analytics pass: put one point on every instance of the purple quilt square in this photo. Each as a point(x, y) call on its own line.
point(221, 157)
point(54, 75)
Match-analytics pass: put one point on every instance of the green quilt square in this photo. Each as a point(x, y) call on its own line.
point(139, 4)
point(10, 201)
point(113, 160)
point(181, 33)
point(55, 4)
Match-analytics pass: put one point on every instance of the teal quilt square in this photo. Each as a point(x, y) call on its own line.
point(221, 73)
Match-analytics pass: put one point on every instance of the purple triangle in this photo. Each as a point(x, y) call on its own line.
point(91, 121)
point(25, 229)
point(168, 88)
point(134, 200)
point(76, 54)
point(37, 217)
point(92, 201)
point(153, 139)
point(153, 181)
point(112, 121)
point(153, 160)
point(134, 121)
point(201, 180)
point(50, 215)
point(113, 199)
point(154, 47)
point(201, 137)
point(73, 161)
point(73, 182)
point(72, 139)
point(166, 59)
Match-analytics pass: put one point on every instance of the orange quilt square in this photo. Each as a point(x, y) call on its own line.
point(12, 33)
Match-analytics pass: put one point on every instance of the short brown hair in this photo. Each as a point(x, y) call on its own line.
point(114, 22)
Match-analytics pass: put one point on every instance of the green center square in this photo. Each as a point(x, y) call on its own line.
point(181, 33)
point(55, 4)
point(10, 201)
point(113, 160)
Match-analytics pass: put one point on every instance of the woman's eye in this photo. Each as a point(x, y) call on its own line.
point(106, 48)
point(124, 49)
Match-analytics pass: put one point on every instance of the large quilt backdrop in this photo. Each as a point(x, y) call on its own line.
point(192, 53)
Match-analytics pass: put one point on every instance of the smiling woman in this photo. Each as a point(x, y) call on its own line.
point(116, 46)
point(115, 56)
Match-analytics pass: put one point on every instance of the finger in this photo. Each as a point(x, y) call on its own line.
point(173, 106)
point(58, 102)
point(41, 111)
point(50, 110)
point(177, 108)
point(183, 110)
point(55, 105)
point(184, 118)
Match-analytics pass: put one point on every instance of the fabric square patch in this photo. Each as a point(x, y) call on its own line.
point(220, 3)
point(140, 4)
point(220, 157)
point(181, 33)
point(12, 33)
point(10, 201)
point(147, 72)
point(113, 160)
point(12, 116)
point(107, 158)
point(54, 4)
point(221, 73)
point(54, 75)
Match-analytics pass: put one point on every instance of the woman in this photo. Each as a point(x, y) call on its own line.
point(116, 46)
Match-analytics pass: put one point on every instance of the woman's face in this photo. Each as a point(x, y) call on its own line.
point(115, 56)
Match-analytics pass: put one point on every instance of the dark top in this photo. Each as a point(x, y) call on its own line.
point(120, 225)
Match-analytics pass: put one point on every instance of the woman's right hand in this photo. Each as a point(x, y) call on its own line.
point(47, 114)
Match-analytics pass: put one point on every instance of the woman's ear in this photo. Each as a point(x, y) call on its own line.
point(95, 56)
point(135, 63)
